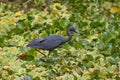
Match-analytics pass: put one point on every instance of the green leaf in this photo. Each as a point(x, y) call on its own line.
point(28, 77)
point(89, 57)
point(111, 69)
point(68, 77)
point(30, 58)
point(107, 37)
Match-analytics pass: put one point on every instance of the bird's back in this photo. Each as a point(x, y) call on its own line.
point(48, 43)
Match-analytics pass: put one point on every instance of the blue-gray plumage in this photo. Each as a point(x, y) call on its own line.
point(51, 42)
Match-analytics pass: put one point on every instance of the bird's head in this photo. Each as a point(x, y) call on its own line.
point(72, 28)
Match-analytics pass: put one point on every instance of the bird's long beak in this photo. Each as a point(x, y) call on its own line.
point(79, 32)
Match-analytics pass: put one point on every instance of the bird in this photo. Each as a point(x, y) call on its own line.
point(51, 42)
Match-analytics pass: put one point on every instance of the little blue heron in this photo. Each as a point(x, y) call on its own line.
point(51, 42)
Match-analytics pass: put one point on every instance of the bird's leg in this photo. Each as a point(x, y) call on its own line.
point(41, 53)
point(49, 53)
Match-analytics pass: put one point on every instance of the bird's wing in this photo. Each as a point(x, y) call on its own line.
point(48, 43)
point(40, 40)
point(52, 42)
point(35, 43)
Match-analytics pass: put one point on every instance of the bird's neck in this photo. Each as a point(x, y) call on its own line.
point(69, 35)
